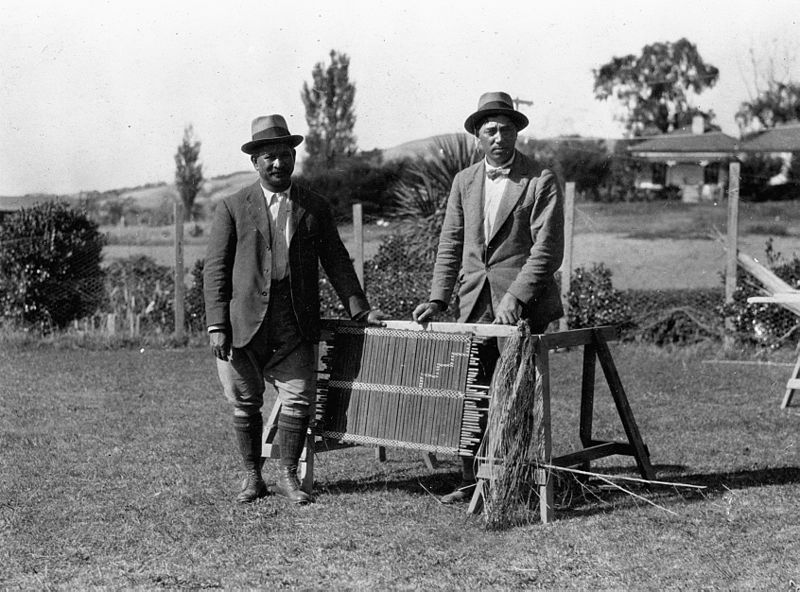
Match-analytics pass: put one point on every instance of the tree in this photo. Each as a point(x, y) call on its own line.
point(780, 103)
point(330, 113)
point(188, 171)
point(50, 272)
point(774, 97)
point(655, 88)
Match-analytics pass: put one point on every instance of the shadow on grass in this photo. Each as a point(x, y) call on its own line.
point(716, 482)
point(437, 483)
point(578, 496)
point(587, 496)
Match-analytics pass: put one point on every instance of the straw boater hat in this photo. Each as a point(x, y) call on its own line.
point(495, 103)
point(269, 129)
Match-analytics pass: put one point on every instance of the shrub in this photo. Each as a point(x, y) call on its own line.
point(662, 317)
point(195, 302)
point(50, 270)
point(764, 324)
point(592, 300)
point(141, 291)
point(398, 278)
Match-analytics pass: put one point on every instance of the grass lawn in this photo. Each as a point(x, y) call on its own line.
point(118, 471)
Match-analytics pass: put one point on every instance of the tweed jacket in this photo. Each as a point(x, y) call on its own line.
point(238, 264)
point(523, 253)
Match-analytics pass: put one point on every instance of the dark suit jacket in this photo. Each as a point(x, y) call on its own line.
point(522, 255)
point(236, 275)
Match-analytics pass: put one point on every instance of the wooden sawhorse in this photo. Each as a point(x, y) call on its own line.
point(595, 348)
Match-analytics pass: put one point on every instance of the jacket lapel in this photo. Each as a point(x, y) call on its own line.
point(257, 208)
point(473, 205)
point(297, 210)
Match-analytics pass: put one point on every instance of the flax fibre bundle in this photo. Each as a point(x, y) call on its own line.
point(513, 433)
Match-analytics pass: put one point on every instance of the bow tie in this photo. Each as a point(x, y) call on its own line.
point(494, 173)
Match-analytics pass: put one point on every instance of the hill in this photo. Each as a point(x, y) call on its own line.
point(426, 146)
point(154, 195)
point(144, 197)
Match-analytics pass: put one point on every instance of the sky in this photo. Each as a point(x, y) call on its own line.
point(95, 95)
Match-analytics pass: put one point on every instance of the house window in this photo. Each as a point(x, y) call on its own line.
point(659, 170)
point(711, 174)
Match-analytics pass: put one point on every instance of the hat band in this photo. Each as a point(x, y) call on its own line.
point(495, 105)
point(271, 133)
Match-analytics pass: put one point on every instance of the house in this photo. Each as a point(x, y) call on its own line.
point(690, 158)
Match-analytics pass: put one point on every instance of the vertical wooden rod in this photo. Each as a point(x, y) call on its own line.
point(544, 443)
point(733, 246)
point(358, 236)
point(180, 287)
point(566, 267)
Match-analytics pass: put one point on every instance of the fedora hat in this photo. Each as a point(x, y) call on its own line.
point(495, 103)
point(269, 129)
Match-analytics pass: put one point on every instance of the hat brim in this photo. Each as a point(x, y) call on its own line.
point(255, 145)
point(520, 121)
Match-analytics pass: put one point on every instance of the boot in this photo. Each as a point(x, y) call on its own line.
point(292, 432)
point(248, 435)
point(288, 485)
point(253, 487)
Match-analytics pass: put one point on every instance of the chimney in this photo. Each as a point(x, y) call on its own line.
point(698, 124)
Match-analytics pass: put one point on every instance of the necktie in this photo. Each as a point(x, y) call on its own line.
point(280, 253)
point(495, 173)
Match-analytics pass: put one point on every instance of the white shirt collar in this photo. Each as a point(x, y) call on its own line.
point(268, 194)
point(505, 165)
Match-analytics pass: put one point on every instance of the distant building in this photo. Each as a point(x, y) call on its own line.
point(690, 158)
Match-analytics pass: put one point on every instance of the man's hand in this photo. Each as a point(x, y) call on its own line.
point(376, 317)
point(220, 345)
point(509, 310)
point(426, 311)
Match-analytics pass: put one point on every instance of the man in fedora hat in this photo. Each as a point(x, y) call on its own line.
point(261, 289)
point(503, 237)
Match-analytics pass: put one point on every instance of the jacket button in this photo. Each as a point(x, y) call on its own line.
point(264, 293)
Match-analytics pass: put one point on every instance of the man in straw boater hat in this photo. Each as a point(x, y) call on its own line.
point(503, 237)
point(261, 289)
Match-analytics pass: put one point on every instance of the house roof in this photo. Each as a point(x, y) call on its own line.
point(783, 138)
point(684, 142)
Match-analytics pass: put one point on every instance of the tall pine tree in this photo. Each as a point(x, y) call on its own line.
point(188, 170)
point(330, 114)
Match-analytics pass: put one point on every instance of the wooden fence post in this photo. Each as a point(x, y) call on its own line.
point(111, 324)
point(566, 267)
point(180, 287)
point(733, 247)
point(358, 249)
